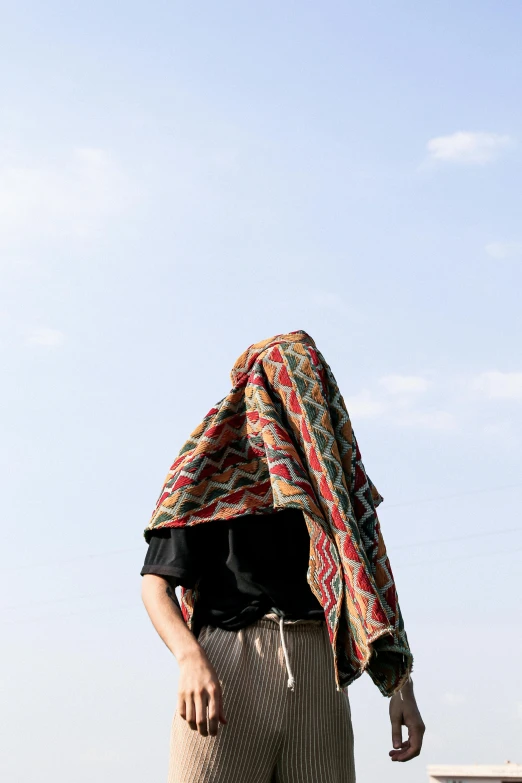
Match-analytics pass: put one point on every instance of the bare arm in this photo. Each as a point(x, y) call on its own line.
point(163, 609)
point(199, 688)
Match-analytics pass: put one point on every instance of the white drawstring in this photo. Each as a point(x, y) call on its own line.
point(273, 616)
point(291, 680)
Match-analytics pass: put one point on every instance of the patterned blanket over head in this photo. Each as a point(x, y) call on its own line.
point(282, 437)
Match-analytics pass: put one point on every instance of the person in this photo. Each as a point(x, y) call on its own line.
point(261, 698)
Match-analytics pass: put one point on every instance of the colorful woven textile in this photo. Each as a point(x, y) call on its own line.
point(282, 437)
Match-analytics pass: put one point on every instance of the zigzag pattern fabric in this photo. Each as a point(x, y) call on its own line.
point(282, 437)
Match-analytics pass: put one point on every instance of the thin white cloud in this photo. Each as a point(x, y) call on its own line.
point(398, 384)
point(472, 148)
point(499, 385)
point(368, 405)
point(50, 338)
point(449, 405)
point(502, 250)
point(397, 398)
point(72, 197)
point(365, 405)
point(430, 420)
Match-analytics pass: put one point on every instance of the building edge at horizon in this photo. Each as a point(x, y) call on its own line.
point(475, 773)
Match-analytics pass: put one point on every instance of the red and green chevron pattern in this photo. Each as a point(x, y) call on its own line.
point(282, 437)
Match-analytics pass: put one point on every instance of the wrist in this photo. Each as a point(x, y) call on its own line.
point(405, 692)
point(190, 651)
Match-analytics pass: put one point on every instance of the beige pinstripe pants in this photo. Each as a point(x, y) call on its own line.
point(272, 734)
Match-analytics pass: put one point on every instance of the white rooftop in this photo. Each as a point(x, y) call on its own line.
point(506, 771)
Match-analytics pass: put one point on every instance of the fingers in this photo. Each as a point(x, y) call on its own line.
point(396, 725)
point(193, 708)
point(190, 711)
point(412, 747)
point(416, 733)
point(397, 754)
point(215, 710)
point(200, 702)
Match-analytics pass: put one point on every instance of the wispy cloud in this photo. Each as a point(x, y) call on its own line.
point(49, 338)
point(396, 397)
point(444, 404)
point(365, 405)
point(71, 197)
point(472, 148)
point(504, 249)
point(431, 420)
point(499, 385)
point(399, 384)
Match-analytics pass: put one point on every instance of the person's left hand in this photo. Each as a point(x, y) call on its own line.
point(404, 712)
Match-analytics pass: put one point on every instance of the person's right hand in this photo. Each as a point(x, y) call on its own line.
point(199, 689)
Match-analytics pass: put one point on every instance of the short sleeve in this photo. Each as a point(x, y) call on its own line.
point(172, 553)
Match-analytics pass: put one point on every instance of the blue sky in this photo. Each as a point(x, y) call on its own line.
point(177, 182)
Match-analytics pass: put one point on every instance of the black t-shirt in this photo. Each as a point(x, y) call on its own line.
point(247, 565)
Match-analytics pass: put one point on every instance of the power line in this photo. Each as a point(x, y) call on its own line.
point(111, 592)
point(451, 497)
point(61, 600)
point(110, 609)
point(429, 542)
point(460, 559)
point(116, 552)
point(54, 563)
point(458, 538)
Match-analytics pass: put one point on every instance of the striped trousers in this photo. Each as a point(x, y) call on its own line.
point(273, 734)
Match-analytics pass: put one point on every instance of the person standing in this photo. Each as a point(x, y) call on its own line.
point(267, 522)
